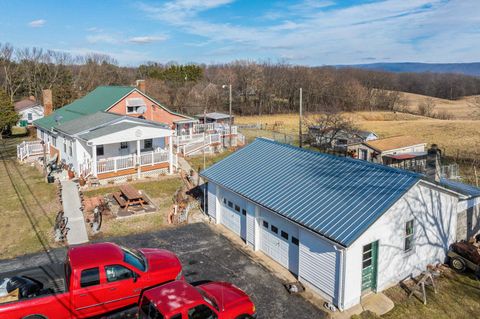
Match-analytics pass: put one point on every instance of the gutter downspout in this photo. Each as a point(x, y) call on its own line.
point(341, 279)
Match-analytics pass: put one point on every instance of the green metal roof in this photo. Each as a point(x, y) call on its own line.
point(98, 100)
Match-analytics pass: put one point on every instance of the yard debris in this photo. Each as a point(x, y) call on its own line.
point(426, 279)
point(330, 306)
point(295, 287)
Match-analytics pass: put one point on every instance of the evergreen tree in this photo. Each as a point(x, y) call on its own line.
point(8, 116)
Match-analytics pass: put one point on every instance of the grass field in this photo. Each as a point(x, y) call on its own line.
point(160, 191)
point(28, 205)
point(197, 161)
point(457, 297)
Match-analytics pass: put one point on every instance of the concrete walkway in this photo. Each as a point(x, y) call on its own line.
point(71, 208)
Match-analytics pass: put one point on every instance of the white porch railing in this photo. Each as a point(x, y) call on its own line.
point(217, 127)
point(193, 147)
point(185, 139)
point(118, 163)
point(30, 148)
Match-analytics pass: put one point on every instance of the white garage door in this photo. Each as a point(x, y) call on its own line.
point(280, 243)
point(232, 220)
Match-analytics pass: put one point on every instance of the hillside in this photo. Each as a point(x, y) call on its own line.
point(472, 69)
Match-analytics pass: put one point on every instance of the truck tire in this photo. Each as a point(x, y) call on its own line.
point(35, 317)
point(244, 317)
point(458, 264)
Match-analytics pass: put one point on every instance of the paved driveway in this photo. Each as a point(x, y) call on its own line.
point(206, 255)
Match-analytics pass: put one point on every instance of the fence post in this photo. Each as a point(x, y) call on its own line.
point(115, 165)
point(152, 159)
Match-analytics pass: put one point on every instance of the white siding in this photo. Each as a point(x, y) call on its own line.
point(250, 207)
point(434, 215)
point(212, 200)
point(319, 265)
point(36, 111)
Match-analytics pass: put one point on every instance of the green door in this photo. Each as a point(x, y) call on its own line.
point(369, 267)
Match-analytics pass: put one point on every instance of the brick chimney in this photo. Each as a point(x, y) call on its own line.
point(141, 85)
point(433, 163)
point(47, 102)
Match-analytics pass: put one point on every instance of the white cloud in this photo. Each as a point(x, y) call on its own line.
point(148, 39)
point(399, 30)
point(37, 23)
point(102, 38)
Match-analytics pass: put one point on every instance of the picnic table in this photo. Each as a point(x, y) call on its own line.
point(129, 196)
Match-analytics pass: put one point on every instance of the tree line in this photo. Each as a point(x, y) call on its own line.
point(258, 88)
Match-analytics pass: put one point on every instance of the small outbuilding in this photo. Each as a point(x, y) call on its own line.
point(214, 117)
point(345, 227)
point(29, 110)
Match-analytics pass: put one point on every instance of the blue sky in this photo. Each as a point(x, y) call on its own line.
point(304, 32)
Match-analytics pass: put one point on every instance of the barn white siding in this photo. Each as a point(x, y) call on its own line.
point(250, 207)
point(212, 200)
point(434, 215)
point(320, 265)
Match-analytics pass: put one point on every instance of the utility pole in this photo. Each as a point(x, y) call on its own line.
point(300, 121)
point(230, 112)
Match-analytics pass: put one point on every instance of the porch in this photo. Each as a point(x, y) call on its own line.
point(28, 149)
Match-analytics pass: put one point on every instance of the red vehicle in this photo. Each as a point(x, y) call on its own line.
point(95, 279)
point(180, 300)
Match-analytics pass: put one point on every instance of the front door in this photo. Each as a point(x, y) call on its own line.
point(369, 267)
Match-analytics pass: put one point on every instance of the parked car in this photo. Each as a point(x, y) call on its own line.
point(95, 279)
point(180, 300)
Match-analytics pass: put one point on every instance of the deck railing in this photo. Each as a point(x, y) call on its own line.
point(118, 163)
point(30, 148)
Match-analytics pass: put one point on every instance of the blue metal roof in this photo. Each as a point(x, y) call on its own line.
point(336, 197)
point(468, 190)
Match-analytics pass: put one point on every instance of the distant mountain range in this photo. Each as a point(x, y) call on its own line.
point(472, 69)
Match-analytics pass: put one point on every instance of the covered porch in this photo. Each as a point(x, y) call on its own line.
point(133, 151)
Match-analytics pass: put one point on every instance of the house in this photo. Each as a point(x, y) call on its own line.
point(338, 139)
point(214, 117)
point(108, 145)
point(343, 226)
point(29, 110)
point(398, 151)
point(123, 100)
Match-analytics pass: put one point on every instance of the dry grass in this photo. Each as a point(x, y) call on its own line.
point(28, 206)
point(160, 191)
point(453, 136)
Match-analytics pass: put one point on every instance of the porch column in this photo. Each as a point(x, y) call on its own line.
point(139, 163)
point(170, 154)
point(94, 160)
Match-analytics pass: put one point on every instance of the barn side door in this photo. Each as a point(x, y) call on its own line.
point(369, 267)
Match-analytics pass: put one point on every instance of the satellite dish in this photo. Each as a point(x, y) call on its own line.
point(142, 109)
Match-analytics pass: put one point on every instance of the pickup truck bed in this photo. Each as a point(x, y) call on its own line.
point(51, 277)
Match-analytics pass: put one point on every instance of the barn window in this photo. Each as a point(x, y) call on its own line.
point(295, 241)
point(284, 234)
point(265, 224)
point(274, 229)
point(224, 201)
point(409, 235)
point(244, 212)
point(237, 208)
point(230, 204)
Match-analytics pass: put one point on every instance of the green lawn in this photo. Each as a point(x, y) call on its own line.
point(28, 206)
point(458, 297)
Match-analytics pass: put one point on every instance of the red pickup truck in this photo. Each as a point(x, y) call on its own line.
point(180, 300)
point(95, 279)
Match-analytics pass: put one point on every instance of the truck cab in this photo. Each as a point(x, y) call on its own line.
point(180, 300)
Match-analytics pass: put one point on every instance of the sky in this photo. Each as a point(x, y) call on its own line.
point(305, 32)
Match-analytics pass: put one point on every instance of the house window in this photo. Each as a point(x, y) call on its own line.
point(70, 149)
point(409, 235)
point(230, 204)
point(100, 150)
point(123, 145)
point(135, 105)
point(244, 212)
point(265, 224)
point(65, 146)
point(295, 240)
point(147, 144)
point(284, 234)
point(30, 116)
point(274, 229)
point(237, 208)
point(54, 141)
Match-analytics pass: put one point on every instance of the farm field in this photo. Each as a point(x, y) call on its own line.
point(453, 136)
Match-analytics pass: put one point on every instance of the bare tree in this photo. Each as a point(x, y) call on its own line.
point(325, 128)
point(427, 107)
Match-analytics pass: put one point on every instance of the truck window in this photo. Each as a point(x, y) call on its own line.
point(148, 310)
point(90, 277)
point(134, 257)
point(178, 316)
point(117, 272)
point(201, 312)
